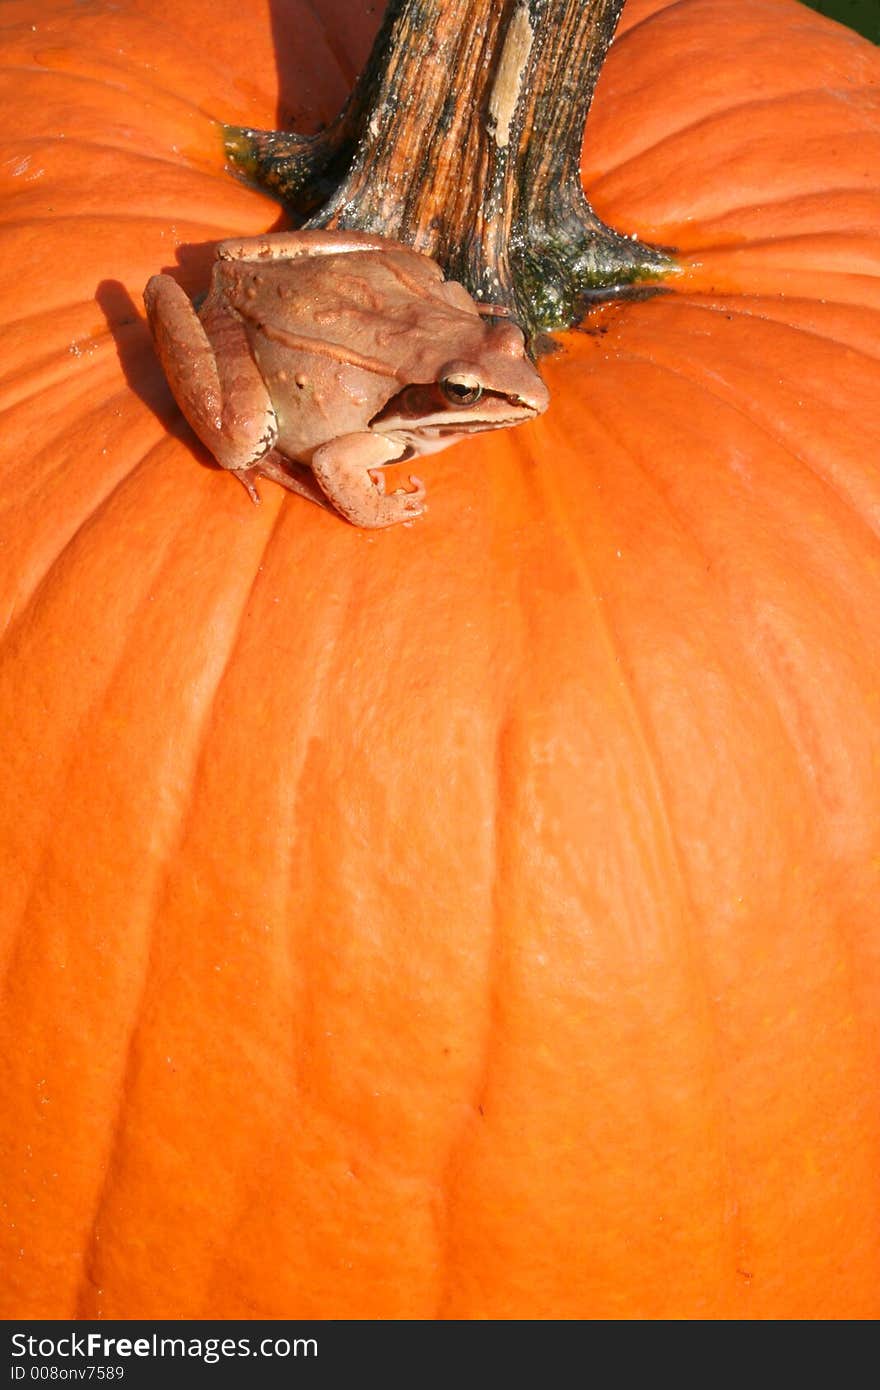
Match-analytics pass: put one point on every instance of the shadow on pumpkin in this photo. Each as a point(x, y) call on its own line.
point(140, 366)
point(347, 33)
point(127, 323)
point(134, 348)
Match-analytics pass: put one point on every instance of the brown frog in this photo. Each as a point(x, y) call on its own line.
point(317, 357)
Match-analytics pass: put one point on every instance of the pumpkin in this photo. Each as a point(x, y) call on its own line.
point(478, 919)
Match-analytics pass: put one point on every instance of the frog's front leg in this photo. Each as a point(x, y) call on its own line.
point(343, 469)
point(213, 375)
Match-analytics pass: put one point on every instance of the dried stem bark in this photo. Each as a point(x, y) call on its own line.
point(462, 137)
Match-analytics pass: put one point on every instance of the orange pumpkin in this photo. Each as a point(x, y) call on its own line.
point(482, 918)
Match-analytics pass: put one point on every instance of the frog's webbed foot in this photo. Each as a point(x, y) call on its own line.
point(347, 470)
point(296, 477)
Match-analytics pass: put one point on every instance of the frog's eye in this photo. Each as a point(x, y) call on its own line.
point(461, 389)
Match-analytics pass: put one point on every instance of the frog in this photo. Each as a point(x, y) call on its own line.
point(318, 357)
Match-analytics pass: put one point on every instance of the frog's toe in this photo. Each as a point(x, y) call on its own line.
point(246, 477)
point(411, 498)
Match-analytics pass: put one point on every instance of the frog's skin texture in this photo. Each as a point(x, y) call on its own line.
point(317, 357)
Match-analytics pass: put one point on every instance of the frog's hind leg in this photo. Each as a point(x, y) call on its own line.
point(296, 477)
point(213, 375)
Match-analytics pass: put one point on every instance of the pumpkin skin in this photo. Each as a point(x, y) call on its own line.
point(479, 919)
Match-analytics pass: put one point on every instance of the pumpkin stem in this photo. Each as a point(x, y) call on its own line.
point(462, 138)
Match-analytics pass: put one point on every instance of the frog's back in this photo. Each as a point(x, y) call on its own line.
point(392, 308)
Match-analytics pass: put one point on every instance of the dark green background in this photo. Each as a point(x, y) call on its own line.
point(863, 15)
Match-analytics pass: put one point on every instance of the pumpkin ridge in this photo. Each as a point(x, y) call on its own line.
point(731, 273)
point(32, 320)
point(699, 372)
point(732, 307)
point(23, 611)
point(657, 7)
point(133, 90)
point(791, 203)
point(855, 64)
point(88, 1283)
point(97, 698)
point(576, 546)
point(176, 161)
point(784, 691)
point(141, 218)
point(685, 531)
point(737, 1240)
point(800, 239)
point(179, 160)
point(846, 502)
point(722, 114)
point(643, 735)
point(128, 1066)
point(30, 189)
point(458, 1149)
point(43, 375)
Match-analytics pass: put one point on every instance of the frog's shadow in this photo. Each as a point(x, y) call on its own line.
point(127, 325)
point(134, 348)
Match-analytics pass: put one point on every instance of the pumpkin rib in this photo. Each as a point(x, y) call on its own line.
point(846, 194)
point(98, 697)
point(783, 693)
point(132, 90)
point(784, 690)
point(24, 612)
point(730, 274)
point(823, 398)
point(165, 562)
point(751, 108)
point(732, 668)
point(845, 502)
point(48, 372)
point(508, 853)
point(93, 148)
point(325, 672)
point(42, 318)
point(124, 1090)
point(717, 1049)
point(175, 159)
point(139, 218)
point(505, 853)
point(577, 546)
point(629, 26)
point(642, 192)
point(799, 241)
point(49, 430)
point(773, 310)
point(56, 399)
point(764, 316)
point(459, 1144)
point(723, 659)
